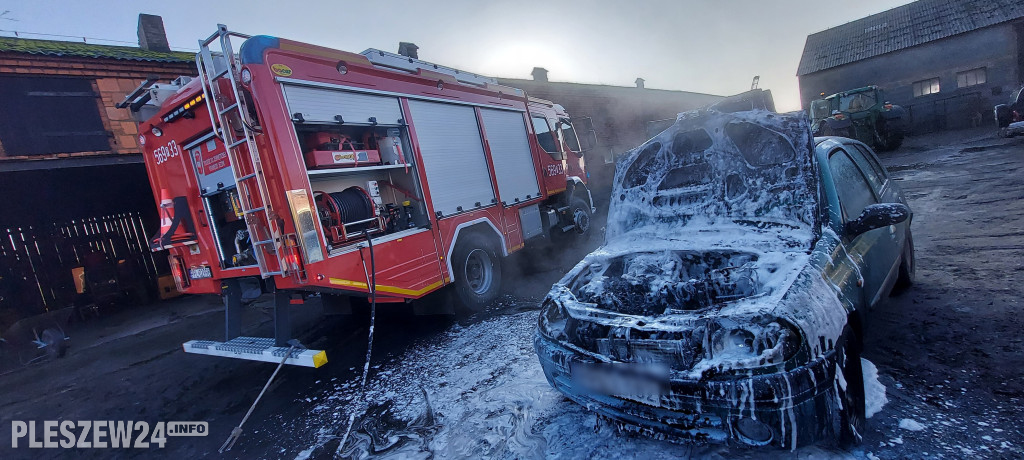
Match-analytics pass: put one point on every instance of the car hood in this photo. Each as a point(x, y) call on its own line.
point(713, 169)
point(668, 284)
point(678, 302)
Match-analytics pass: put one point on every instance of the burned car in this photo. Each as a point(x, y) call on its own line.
point(728, 300)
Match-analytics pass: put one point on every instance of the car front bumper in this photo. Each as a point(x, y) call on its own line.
point(789, 409)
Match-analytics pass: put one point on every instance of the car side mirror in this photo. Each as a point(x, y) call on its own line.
point(877, 216)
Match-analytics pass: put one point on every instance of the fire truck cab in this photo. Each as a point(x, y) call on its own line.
point(318, 170)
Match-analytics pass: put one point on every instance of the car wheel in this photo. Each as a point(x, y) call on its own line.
point(852, 414)
point(477, 272)
point(908, 265)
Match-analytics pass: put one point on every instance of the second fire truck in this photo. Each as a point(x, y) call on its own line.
point(318, 170)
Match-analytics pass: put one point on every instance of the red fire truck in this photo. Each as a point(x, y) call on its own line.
point(318, 170)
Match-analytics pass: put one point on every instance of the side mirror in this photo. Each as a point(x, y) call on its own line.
point(877, 216)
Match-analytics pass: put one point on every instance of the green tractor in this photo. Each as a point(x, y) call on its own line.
point(861, 114)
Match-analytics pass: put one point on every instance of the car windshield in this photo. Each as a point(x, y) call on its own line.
point(718, 169)
point(857, 102)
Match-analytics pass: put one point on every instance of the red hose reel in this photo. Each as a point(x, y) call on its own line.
point(348, 214)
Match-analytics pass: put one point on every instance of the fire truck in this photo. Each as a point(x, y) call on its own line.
point(315, 170)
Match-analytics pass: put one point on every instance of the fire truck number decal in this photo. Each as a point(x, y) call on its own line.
point(166, 152)
point(555, 170)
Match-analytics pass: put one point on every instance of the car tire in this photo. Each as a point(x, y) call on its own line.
point(852, 415)
point(908, 265)
point(476, 266)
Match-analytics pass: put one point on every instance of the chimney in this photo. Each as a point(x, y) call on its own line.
point(640, 83)
point(408, 49)
point(151, 33)
point(539, 74)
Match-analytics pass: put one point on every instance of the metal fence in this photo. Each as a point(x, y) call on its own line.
point(39, 264)
point(954, 112)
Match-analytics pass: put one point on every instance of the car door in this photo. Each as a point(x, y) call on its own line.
point(874, 251)
point(887, 192)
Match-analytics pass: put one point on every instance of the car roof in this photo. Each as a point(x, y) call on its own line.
point(819, 139)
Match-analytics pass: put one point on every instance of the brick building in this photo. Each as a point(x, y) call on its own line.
point(620, 115)
point(948, 62)
point(71, 171)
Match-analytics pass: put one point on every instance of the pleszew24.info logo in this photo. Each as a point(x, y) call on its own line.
point(100, 434)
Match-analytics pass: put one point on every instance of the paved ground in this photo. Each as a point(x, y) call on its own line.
point(948, 351)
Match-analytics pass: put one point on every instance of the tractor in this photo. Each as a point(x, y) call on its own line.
point(861, 114)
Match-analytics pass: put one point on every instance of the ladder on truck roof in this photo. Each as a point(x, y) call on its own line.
point(229, 116)
point(411, 65)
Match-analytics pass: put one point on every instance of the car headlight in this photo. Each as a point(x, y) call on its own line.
point(552, 319)
point(733, 343)
point(734, 347)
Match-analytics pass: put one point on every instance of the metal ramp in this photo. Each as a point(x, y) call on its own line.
point(256, 349)
point(229, 115)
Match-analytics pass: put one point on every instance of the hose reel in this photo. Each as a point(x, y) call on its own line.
point(345, 215)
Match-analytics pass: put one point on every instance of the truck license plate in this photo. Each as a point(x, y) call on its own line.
point(199, 273)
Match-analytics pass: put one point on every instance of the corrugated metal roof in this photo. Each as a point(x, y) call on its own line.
point(88, 50)
point(902, 27)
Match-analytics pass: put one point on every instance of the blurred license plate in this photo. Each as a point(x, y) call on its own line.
point(199, 273)
point(638, 382)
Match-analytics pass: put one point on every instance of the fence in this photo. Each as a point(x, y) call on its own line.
point(38, 263)
point(954, 112)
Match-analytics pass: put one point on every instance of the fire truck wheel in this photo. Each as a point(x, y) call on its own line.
point(578, 217)
point(477, 272)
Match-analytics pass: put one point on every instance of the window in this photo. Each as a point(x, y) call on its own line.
point(819, 109)
point(47, 115)
point(857, 102)
point(545, 137)
point(569, 135)
point(853, 189)
point(872, 170)
point(970, 78)
point(926, 87)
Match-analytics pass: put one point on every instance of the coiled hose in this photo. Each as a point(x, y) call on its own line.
point(350, 205)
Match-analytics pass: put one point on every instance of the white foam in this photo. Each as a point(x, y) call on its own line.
point(874, 391)
point(911, 424)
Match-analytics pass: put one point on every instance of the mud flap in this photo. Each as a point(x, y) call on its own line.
point(256, 349)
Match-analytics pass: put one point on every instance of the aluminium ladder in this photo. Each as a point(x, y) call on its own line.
point(229, 116)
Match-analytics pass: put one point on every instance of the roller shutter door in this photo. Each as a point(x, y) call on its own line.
point(318, 105)
point(453, 156)
point(510, 153)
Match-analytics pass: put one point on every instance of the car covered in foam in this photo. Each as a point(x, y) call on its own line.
point(728, 300)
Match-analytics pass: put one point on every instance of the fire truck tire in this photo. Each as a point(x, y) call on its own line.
point(579, 217)
point(476, 264)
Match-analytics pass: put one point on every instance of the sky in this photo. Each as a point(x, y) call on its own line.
point(704, 46)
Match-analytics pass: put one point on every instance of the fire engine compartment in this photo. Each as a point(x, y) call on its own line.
point(363, 181)
point(220, 201)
